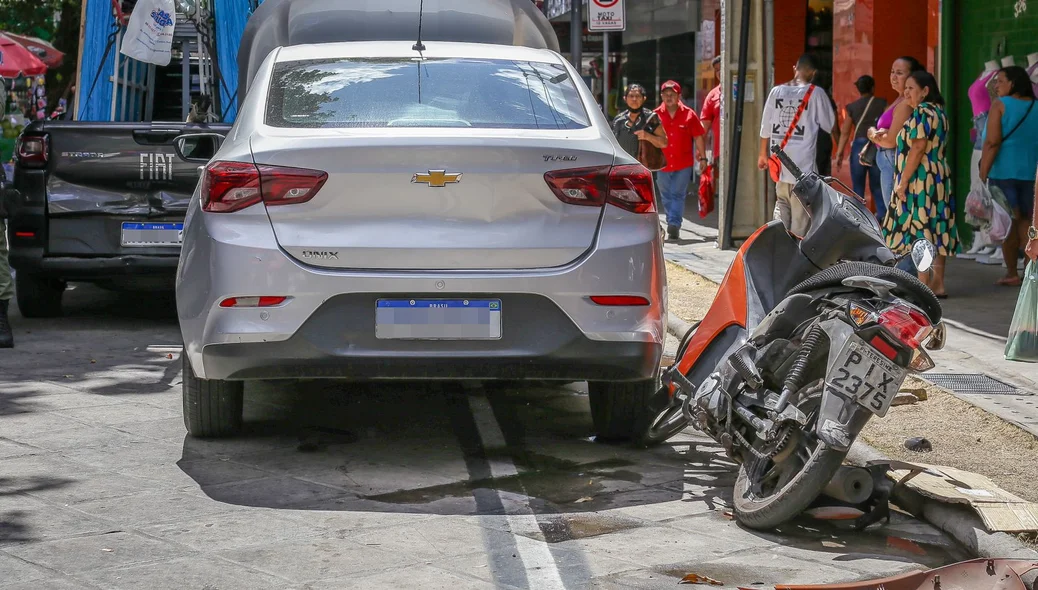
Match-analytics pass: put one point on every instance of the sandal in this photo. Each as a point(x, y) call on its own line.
point(1010, 281)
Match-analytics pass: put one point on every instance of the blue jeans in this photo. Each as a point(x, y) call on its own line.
point(885, 162)
point(673, 188)
point(859, 173)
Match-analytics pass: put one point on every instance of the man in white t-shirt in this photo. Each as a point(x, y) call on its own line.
point(779, 114)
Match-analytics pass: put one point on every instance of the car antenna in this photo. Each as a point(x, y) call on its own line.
point(419, 46)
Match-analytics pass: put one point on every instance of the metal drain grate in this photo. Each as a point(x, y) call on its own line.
point(972, 383)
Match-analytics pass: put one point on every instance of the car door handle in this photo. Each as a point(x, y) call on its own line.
point(155, 136)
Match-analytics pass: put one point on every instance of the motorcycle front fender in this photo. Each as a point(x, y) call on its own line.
point(840, 418)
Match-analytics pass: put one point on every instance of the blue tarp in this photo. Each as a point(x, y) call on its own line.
point(231, 16)
point(97, 25)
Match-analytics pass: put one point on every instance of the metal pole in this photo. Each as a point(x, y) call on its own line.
point(605, 73)
point(740, 103)
point(576, 33)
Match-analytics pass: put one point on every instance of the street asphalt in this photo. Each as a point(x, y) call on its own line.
point(340, 485)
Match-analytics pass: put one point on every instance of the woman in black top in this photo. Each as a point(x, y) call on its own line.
point(861, 115)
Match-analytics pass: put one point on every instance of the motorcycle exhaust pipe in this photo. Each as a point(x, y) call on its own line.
point(852, 485)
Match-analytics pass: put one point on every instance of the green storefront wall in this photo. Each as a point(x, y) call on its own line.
point(974, 32)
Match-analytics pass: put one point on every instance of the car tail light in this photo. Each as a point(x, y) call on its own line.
point(619, 300)
point(287, 186)
point(32, 150)
point(627, 187)
point(908, 325)
point(630, 188)
point(232, 186)
point(262, 301)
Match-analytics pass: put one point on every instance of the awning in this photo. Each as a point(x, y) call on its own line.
point(43, 50)
point(16, 60)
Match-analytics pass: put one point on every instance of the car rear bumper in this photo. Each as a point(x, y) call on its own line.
point(72, 268)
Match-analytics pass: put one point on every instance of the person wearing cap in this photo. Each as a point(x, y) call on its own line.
point(685, 142)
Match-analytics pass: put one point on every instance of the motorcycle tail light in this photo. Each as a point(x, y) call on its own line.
point(921, 362)
point(908, 325)
point(861, 316)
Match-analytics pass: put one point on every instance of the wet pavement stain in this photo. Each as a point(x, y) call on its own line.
point(583, 526)
point(564, 485)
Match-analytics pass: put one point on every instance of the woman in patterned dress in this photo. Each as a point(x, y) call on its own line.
point(922, 206)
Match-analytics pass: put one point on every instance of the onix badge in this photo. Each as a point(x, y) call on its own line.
point(437, 178)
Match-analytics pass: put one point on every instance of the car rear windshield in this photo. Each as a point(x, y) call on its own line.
point(479, 93)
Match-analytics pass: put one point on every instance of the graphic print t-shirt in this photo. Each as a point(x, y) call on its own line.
point(779, 111)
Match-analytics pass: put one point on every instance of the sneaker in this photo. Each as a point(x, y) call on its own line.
point(673, 232)
point(993, 259)
point(980, 245)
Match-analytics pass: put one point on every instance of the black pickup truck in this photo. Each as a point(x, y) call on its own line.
point(97, 202)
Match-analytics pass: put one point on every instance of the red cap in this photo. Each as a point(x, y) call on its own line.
point(672, 85)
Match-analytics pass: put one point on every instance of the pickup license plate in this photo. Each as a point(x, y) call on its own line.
point(143, 234)
point(866, 376)
point(438, 319)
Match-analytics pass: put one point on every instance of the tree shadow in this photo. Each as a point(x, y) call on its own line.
point(15, 524)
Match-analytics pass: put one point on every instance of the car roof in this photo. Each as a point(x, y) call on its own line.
point(405, 49)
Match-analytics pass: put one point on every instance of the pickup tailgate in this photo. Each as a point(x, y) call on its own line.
point(116, 188)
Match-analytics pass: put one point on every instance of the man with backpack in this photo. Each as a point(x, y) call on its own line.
point(794, 114)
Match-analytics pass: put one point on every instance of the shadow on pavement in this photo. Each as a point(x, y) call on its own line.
point(419, 448)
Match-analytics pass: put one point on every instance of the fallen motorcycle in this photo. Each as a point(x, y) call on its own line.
point(806, 340)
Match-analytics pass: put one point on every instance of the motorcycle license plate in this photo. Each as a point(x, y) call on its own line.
point(866, 376)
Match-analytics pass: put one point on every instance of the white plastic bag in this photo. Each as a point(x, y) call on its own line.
point(978, 202)
point(149, 34)
point(1001, 222)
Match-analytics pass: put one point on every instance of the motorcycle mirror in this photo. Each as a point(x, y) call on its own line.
point(923, 255)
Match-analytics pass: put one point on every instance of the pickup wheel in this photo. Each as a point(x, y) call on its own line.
point(212, 408)
point(38, 297)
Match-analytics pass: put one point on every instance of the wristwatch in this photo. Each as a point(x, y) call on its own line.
point(1032, 233)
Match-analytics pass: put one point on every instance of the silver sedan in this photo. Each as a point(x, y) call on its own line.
point(462, 212)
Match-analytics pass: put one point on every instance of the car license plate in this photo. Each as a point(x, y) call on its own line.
point(867, 376)
point(438, 319)
point(143, 234)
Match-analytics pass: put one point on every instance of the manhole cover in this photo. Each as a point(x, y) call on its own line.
point(972, 383)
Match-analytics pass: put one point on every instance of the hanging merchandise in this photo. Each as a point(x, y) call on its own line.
point(149, 34)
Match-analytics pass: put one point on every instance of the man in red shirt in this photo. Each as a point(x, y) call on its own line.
point(711, 113)
point(683, 129)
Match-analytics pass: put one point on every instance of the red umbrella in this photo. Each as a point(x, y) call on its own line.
point(16, 60)
point(46, 52)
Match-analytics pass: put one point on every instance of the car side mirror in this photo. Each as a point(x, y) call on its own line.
point(197, 147)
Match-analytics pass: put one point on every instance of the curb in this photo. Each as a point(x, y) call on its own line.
point(959, 523)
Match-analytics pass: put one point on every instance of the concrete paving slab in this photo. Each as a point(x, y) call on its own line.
point(50, 583)
point(96, 551)
point(196, 571)
point(311, 560)
point(14, 570)
point(274, 492)
point(427, 577)
point(154, 507)
point(431, 539)
point(26, 425)
point(116, 414)
point(226, 531)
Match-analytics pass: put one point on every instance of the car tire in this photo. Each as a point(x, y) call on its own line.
point(212, 408)
point(617, 407)
point(38, 297)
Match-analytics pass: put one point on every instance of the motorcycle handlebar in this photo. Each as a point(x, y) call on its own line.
point(787, 162)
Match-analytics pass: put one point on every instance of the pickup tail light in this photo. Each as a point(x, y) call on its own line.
point(628, 187)
point(232, 186)
point(619, 300)
point(32, 151)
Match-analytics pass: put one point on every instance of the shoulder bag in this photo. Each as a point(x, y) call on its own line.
point(867, 155)
point(1021, 122)
point(774, 165)
point(649, 155)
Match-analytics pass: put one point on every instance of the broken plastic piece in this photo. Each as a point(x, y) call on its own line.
point(699, 579)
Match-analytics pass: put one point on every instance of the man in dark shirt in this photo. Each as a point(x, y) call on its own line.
point(637, 123)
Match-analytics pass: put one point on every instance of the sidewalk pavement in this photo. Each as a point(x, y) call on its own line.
point(977, 314)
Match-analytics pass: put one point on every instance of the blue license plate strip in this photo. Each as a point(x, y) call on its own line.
point(438, 319)
point(139, 234)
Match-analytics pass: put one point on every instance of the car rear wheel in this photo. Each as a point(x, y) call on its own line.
point(617, 408)
point(38, 297)
point(212, 408)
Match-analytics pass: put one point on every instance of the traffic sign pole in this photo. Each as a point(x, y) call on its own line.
point(605, 73)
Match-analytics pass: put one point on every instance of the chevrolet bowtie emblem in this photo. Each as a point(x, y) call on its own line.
point(437, 178)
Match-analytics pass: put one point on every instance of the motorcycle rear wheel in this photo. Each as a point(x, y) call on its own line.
point(768, 494)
